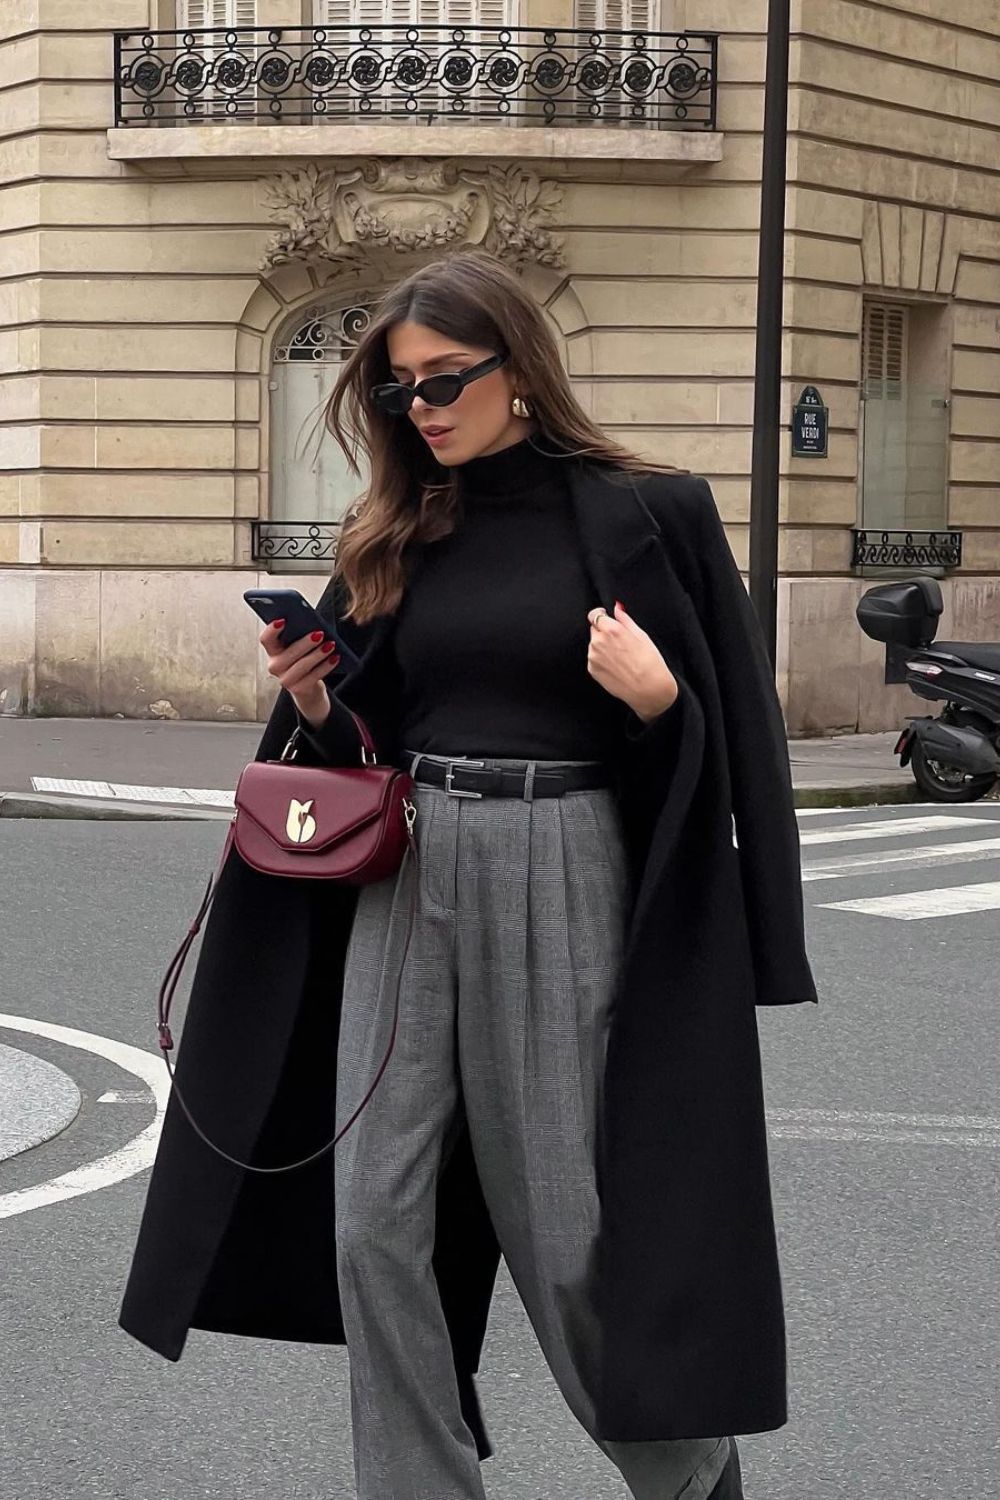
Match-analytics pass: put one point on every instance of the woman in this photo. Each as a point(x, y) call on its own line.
point(557, 644)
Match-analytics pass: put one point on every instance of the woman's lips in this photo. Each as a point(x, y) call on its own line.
point(435, 435)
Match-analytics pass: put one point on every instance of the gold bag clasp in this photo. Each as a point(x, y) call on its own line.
point(300, 825)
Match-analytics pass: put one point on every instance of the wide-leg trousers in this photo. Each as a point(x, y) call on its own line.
point(504, 1005)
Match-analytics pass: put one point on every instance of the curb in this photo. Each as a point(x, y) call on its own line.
point(875, 795)
point(101, 809)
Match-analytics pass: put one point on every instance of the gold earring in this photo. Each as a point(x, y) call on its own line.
point(522, 408)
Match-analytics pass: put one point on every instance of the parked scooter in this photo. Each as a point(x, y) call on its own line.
point(956, 756)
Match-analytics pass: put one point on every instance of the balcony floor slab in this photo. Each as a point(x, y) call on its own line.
point(151, 144)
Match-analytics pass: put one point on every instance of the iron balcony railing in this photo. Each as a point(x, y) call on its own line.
point(288, 541)
point(428, 74)
point(907, 549)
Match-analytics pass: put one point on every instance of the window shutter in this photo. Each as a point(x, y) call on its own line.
point(193, 15)
point(333, 13)
point(617, 15)
point(606, 18)
point(884, 351)
point(380, 15)
point(196, 14)
point(640, 15)
point(494, 13)
point(223, 15)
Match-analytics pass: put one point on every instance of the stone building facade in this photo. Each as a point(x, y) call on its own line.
point(186, 252)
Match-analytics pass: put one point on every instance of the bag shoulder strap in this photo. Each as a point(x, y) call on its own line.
point(175, 968)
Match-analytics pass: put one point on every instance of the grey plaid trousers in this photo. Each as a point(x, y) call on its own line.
point(504, 1003)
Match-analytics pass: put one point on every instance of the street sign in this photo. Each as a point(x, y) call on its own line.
point(810, 425)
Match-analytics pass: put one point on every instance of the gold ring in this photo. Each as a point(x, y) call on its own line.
point(595, 615)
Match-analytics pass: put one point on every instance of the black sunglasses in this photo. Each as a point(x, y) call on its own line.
point(437, 390)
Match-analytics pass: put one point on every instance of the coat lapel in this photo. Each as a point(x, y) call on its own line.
point(626, 557)
point(625, 554)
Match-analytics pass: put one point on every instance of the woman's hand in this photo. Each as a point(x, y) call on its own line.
point(301, 668)
point(624, 660)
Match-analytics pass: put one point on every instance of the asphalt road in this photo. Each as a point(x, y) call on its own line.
point(885, 1140)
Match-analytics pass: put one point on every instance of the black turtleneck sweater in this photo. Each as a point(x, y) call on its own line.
point(491, 636)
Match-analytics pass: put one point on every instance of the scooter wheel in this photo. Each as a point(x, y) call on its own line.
point(941, 783)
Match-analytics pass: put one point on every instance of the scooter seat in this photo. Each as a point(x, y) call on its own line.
point(986, 657)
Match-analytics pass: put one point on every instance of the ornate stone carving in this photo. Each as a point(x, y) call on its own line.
point(388, 210)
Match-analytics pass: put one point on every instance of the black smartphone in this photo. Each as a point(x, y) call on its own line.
point(299, 616)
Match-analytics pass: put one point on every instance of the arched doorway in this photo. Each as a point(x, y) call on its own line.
point(311, 486)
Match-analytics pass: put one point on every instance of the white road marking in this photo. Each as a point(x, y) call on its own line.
point(111, 790)
point(922, 856)
point(135, 1156)
point(885, 1128)
point(851, 1133)
point(125, 1096)
point(887, 828)
point(884, 809)
point(915, 906)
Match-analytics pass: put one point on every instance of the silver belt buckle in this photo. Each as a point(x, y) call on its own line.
point(454, 791)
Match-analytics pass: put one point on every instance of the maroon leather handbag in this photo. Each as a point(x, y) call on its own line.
point(353, 824)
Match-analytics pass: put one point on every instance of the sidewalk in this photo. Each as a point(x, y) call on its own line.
point(144, 768)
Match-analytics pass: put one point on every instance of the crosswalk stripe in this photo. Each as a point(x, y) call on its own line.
point(884, 809)
point(879, 1118)
point(885, 1137)
point(886, 829)
point(884, 1128)
point(922, 856)
point(911, 906)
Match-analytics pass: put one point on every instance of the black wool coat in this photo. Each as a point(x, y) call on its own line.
point(688, 1280)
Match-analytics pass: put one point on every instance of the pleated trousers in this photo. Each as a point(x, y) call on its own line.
point(504, 1008)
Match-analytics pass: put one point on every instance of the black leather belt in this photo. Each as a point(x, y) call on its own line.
point(473, 778)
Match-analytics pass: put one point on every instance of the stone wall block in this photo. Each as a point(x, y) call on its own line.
point(138, 398)
point(823, 656)
point(181, 446)
point(136, 544)
point(199, 658)
point(128, 493)
point(68, 643)
point(17, 640)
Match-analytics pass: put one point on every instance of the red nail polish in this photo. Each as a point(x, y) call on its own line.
point(327, 646)
point(316, 635)
point(277, 624)
point(619, 604)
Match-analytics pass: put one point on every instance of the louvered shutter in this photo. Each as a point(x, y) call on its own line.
point(221, 15)
point(483, 19)
point(617, 15)
point(885, 416)
point(195, 14)
point(884, 351)
point(333, 13)
point(386, 19)
point(608, 17)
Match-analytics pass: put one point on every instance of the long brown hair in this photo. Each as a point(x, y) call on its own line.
point(474, 298)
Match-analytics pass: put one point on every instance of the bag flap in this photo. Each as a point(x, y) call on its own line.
point(312, 807)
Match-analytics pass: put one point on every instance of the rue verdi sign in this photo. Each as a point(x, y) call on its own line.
point(810, 425)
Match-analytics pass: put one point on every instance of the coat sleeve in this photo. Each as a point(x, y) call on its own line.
point(757, 751)
point(336, 742)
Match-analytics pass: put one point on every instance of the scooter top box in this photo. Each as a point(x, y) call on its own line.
point(902, 614)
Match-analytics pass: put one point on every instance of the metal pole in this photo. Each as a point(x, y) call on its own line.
point(770, 288)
